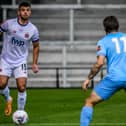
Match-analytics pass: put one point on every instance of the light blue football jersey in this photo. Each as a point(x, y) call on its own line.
point(17, 40)
point(113, 47)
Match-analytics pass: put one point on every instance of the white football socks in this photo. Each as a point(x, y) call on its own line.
point(6, 93)
point(21, 100)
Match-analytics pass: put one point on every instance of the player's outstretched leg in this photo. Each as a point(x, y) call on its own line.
point(6, 93)
point(8, 107)
point(86, 116)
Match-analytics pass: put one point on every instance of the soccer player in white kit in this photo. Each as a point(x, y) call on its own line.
point(19, 32)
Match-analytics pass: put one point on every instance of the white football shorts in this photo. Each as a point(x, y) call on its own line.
point(9, 70)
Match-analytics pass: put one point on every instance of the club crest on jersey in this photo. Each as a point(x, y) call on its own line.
point(98, 48)
point(26, 35)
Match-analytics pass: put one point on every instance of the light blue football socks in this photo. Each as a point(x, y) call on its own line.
point(86, 116)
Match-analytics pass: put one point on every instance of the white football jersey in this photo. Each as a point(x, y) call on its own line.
point(17, 40)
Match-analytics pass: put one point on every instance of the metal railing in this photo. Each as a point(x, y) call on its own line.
point(64, 78)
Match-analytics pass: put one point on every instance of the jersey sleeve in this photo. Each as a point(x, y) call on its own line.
point(101, 50)
point(35, 37)
point(4, 26)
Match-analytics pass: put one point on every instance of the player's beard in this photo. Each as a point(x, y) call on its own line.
point(24, 18)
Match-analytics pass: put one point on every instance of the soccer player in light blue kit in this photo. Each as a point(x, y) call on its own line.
point(112, 47)
point(19, 32)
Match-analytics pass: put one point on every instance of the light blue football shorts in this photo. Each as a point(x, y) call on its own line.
point(106, 88)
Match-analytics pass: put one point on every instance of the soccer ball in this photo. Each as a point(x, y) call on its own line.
point(20, 117)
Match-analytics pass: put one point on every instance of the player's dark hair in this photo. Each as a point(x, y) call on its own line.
point(25, 4)
point(111, 24)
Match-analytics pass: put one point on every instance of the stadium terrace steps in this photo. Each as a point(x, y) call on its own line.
point(75, 54)
point(75, 1)
point(54, 24)
point(58, 1)
point(103, 1)
point(86, 22)
point(89, 35)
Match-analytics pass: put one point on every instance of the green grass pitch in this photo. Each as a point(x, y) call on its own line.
point(61, 107)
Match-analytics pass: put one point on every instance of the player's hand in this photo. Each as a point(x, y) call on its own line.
point(35, 68)
point(85, 84)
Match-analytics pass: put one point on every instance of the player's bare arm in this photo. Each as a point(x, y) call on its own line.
point(93, 72)
point(35, 57)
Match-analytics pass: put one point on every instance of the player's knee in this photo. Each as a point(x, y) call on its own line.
point(2, 84)
point(89, 102)
point(22, 88)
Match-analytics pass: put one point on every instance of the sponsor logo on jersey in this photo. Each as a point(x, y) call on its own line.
point(17, 42)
